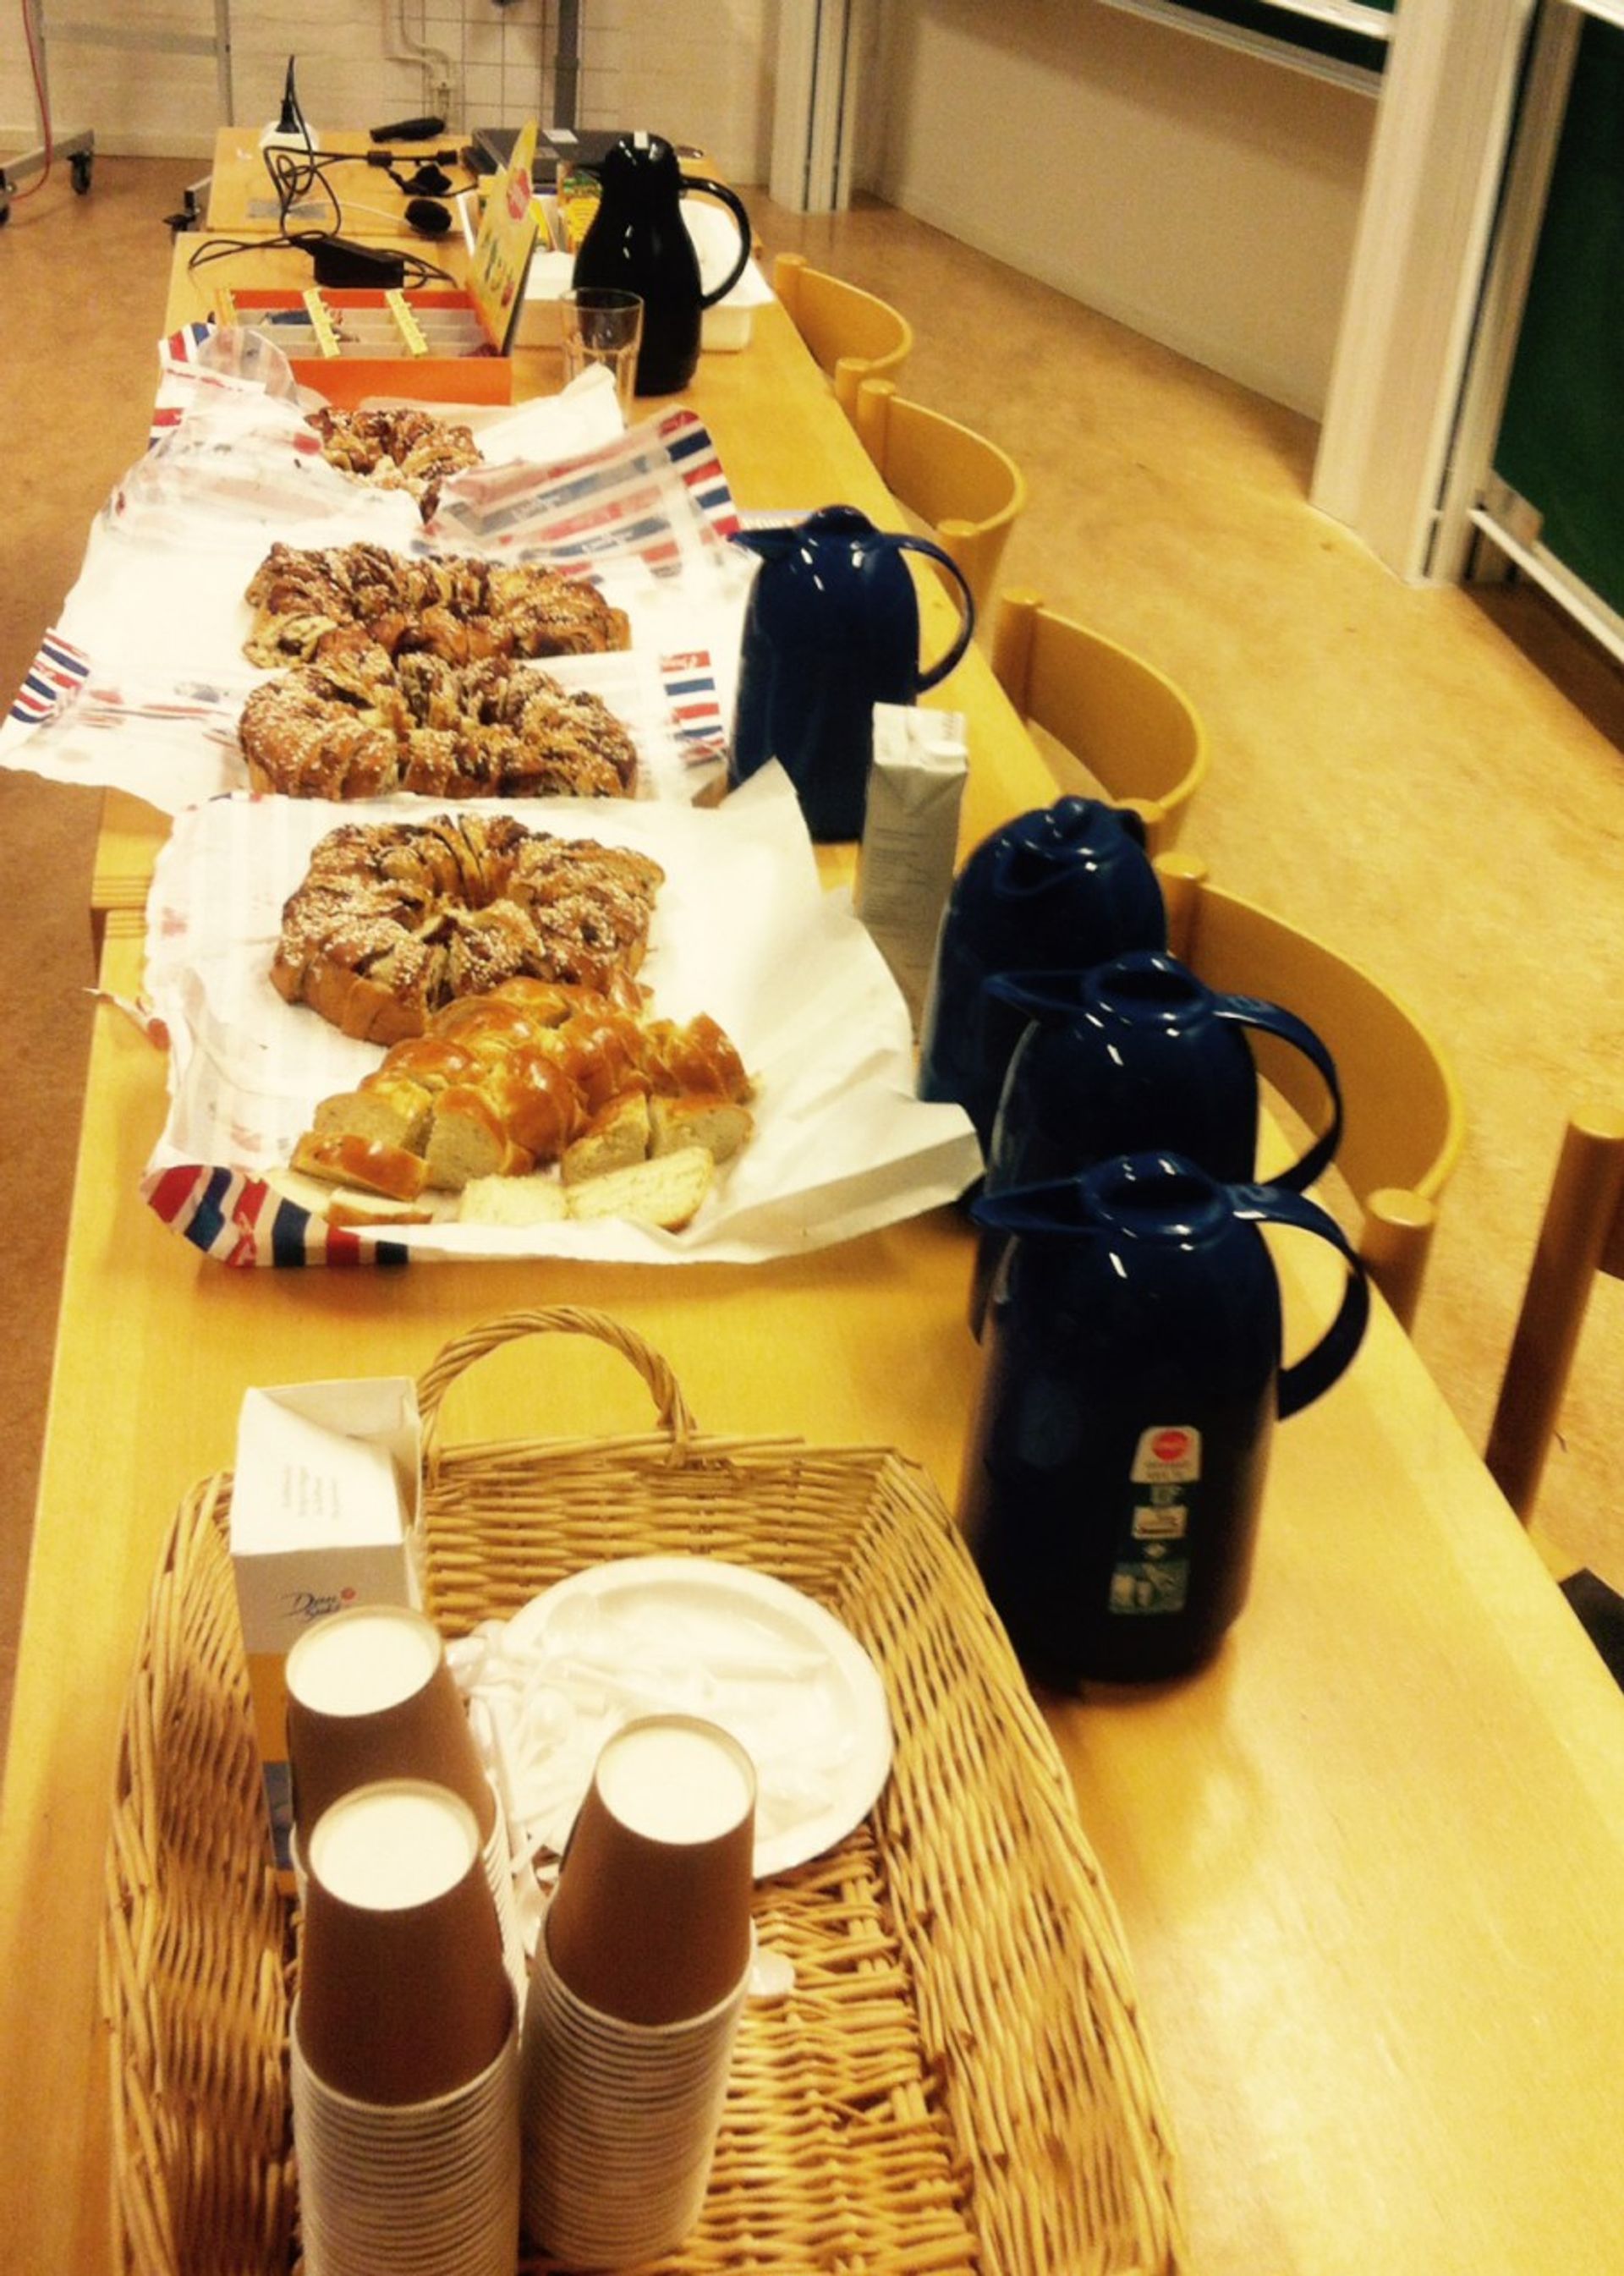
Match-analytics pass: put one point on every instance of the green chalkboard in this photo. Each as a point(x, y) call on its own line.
point(1561, 439)
point(1277, 19)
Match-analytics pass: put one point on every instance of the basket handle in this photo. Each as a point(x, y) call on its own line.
point(459, 1356)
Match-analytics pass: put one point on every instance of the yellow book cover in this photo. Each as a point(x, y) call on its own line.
point(506, 241)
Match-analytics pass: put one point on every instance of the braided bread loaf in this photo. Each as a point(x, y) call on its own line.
point(395, 920)
point(403, 448)
point(355, 723)
point(455, 605)
point(534, 1073)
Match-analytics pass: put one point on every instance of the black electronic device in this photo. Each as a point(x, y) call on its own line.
point(429, 216)
point(341, 261)
point(408, 130)
point(428, 181)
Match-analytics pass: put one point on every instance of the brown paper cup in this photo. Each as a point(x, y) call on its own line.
point(371, 1696)
point(651, 1919)
point(402, 1993)
point(618, 2123)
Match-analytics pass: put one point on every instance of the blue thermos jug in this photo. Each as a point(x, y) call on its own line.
point(1132, 1379)
point(830, 629)
point(1133, 1054)
point(1056, 890)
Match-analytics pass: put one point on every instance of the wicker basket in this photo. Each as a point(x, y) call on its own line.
point(958, 2081)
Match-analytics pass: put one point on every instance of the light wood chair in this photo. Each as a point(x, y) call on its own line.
point(1123, 728)
point(1403, 1122)
point(852, 335)
point(967, 490)
point(1581, 1235)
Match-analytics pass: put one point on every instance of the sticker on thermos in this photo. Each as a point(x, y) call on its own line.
point(1149, 1587)
point(1158, 1521)
point(1168, 1454)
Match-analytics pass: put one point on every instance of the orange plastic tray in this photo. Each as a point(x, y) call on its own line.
point(482, 376)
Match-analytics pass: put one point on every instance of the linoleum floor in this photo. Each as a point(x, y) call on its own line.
point(1430, 778)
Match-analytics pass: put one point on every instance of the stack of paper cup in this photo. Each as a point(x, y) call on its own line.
point(639, 1979)
point(405, 2049)
point(371, 1696)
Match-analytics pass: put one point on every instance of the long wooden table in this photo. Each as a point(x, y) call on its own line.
point(1371, 1862)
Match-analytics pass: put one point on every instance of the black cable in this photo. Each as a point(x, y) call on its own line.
point(220, 249)
point(418, 270)
point(294, 173)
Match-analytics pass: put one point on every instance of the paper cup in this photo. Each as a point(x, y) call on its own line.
point(371, 1696)
point(427, 2189)
point(403, 1992)
point(651, 1919)
point(618, 2121)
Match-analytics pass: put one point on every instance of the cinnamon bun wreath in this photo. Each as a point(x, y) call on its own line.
point(457, 606)
point(397, 447)
point(356, 723)
point(394, 921)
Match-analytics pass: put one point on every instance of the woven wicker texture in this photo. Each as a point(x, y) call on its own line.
point(958, 2081)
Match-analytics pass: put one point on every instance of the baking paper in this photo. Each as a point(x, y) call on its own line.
point(742, 930)
point(139, 684)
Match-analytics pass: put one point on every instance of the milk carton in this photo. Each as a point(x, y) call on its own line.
point(325, 1515)
point(910, 839)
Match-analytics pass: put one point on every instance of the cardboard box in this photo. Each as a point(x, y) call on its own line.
point(325, 1515)
point(910, 839)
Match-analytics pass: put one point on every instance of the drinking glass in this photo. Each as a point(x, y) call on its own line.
point(603, 325)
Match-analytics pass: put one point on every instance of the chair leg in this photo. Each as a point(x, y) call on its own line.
point(1182, 876)
point(786, 274)
point(874, 418)
point(1394, 1245)
point(1586, 1198)
point(1014, 624)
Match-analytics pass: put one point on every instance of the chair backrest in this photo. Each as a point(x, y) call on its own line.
point(1136, 736)
point(964, 487)
point(1581, 1235)
point(852, 335)
point(1403, 1123)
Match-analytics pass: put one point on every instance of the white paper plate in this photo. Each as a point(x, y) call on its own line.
point(696, 1636)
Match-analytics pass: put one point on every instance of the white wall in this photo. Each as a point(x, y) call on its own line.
point(697, 68)
point(1206, 198)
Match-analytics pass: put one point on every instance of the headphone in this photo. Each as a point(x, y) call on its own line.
point(424, 189)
